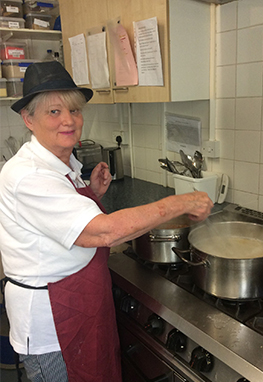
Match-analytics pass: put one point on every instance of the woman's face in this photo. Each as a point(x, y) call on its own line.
point(56, 127)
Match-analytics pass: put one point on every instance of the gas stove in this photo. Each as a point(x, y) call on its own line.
point(188, 335)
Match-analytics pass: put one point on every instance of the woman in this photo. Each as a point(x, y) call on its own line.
point(55, 238)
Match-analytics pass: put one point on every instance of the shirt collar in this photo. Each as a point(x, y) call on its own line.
point(53, 161)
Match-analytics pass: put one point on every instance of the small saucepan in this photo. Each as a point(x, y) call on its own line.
point(156, 245)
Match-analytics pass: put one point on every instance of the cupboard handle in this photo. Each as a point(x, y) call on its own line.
point(103, 91)
point(123, 89)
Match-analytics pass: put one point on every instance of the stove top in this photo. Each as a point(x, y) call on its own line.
point(248, 312)
point(231, 330)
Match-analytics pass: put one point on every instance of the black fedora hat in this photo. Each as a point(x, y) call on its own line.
point(45, 77)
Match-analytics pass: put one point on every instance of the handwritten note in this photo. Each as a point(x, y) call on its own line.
point(126, 73)
point(79, 61)
point(147, 47)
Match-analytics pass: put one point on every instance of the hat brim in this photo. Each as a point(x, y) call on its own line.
point(21, 103)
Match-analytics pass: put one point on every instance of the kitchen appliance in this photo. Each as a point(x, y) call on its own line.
point(156, 245)
point(173, 331)
point(113, 157)
point(89, 154)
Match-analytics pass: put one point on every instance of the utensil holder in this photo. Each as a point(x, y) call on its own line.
point(209, 184)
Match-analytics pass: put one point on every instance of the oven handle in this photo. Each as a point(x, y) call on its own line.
point(133, 348)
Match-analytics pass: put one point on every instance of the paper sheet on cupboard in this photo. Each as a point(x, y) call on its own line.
point(148, 54)
point(98, 62)
point(79, 60)
point(125, 67)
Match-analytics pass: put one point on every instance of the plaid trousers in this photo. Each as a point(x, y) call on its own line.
point(49, 367)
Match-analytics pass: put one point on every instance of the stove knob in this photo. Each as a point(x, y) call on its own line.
point(176, 341)
point(155, 325)
point(201, 360)
point(128, 304)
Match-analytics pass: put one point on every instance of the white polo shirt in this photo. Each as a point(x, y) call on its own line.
point(41, 216)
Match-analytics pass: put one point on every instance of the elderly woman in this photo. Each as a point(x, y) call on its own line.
point(55, 238)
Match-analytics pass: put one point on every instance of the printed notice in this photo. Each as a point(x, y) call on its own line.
point(98, 63)
point(79, 61)
point(147, 47)
point(183, 133)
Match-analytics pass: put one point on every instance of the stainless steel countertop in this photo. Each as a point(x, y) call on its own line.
point(227, 339)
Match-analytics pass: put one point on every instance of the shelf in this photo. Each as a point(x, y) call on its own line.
point(31, 34)
point(9, 98)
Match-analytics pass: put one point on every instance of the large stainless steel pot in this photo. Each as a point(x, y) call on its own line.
point(233, 266)
point(156, 245)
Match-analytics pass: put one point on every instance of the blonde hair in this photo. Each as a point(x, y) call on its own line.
point(72, 99)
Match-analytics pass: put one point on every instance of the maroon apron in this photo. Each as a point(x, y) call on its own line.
point(84, 316)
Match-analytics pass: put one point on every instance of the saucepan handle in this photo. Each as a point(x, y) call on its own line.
point(162, 239)
point(181, 253)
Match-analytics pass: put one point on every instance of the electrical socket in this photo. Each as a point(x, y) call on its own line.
point(211, 149)
point(123, 134)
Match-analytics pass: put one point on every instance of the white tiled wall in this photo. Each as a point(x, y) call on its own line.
point(239, 32)
point(239, 102)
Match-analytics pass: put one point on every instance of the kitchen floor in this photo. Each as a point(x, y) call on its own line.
point(7, 375)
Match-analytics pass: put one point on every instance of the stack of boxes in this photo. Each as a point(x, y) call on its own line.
point(14, 54)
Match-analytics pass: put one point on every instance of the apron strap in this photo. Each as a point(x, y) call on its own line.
point(24, 285)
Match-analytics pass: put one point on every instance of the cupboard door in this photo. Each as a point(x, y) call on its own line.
point(189, 50)
point(78, 16)
point(136, 10)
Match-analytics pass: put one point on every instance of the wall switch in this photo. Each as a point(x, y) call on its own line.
point(123, 134)
point(211, 149)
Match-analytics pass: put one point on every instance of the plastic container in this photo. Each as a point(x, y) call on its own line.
point(3, 91)
point(12, 22)
point(49, 55)
point(47, 7)
point(38, 21)
point(14, 87)
point(13, 50)
point(15, 68)
point(209, 183)
point(11, 8)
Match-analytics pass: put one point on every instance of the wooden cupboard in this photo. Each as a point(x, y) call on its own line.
point(184, 35)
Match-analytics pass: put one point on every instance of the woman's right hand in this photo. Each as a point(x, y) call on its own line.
point(198, 205)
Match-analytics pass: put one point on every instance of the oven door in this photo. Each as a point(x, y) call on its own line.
point(139, 363)
point(145, 359)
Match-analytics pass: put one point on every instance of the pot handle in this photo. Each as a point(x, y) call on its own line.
point(158, 239)
point(180, 253)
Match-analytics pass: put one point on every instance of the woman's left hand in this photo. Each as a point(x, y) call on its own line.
point(100, 179)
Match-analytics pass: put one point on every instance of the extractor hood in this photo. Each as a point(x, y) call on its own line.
point(216, 1)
